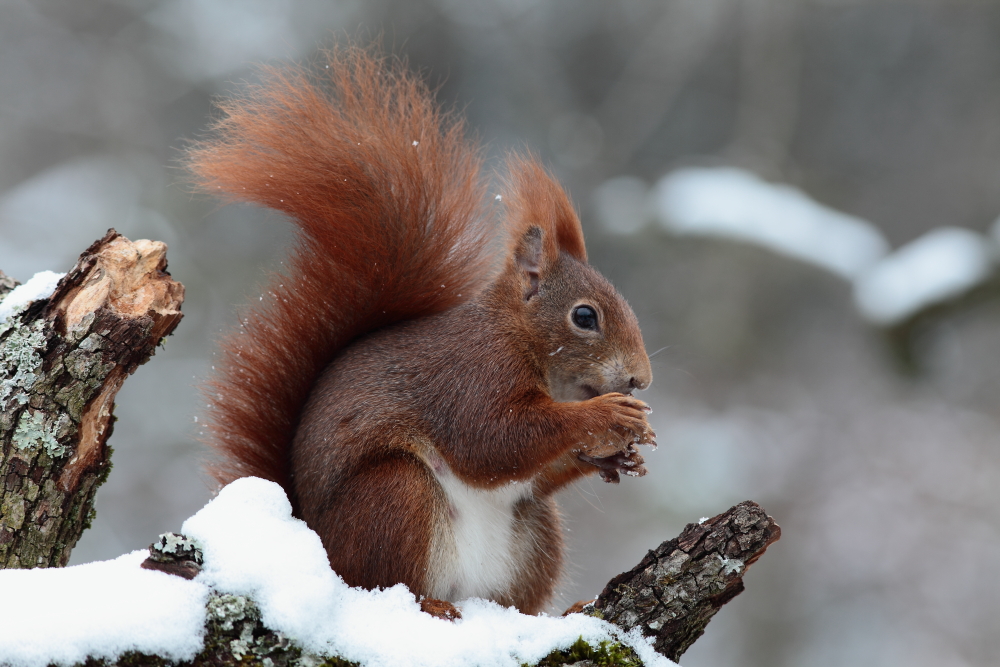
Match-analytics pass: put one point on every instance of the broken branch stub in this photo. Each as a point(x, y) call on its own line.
point(62, 361)
point(675, 590)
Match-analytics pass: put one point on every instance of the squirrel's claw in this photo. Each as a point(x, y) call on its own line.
point(610, 476)
point(610, 467)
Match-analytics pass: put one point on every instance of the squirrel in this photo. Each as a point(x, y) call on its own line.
point(432, 364)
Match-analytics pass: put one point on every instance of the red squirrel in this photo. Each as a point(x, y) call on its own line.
point(432, 363)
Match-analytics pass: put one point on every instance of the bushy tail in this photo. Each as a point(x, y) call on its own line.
point(387, 194)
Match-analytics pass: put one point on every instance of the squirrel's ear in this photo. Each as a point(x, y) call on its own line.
point(528, 256)
point(537, 199)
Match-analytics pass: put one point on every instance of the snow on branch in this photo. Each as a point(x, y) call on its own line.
point(264, 590)
point(941, 265)
point(735, 204)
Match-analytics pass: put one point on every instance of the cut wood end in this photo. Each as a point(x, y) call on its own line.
point(129, 277)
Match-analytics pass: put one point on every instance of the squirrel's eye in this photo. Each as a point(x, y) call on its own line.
point(585, 317)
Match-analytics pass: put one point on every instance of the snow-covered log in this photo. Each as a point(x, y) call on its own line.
point(67, 343)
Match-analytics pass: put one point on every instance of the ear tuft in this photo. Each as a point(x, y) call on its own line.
point(538, 200)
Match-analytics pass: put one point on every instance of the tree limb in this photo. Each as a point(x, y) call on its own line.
point(671, 595)
point(62, 361)
point(675, 590)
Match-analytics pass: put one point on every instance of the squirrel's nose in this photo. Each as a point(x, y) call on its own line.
point(638, 384)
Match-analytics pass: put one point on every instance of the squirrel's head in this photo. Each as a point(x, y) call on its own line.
point(579, 329)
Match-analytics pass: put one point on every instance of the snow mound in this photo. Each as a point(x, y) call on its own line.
point(253, 546)
point(40, 286)
point(735, 204)
point(103, 609)
point(942, 264)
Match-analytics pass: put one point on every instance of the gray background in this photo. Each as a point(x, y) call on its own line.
point(770, 388)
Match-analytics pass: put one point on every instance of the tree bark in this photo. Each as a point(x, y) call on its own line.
point(62, 361)
point(678, 587)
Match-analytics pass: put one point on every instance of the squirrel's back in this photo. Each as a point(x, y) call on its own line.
point(387, 195)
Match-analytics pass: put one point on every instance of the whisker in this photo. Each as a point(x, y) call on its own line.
point(658, 351)
point(663, 363)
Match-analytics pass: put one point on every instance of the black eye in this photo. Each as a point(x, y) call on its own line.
point(585, 317)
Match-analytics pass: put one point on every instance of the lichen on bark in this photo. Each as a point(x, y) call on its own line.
point(62, 361)
point(674, 592)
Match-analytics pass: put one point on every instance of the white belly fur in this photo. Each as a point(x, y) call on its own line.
point(476, 552)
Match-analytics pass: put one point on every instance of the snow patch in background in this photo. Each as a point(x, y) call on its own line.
point(730, 203)
point(254, 547)
point(735, 204)
point(102, 609)
point(40, 286)
point(942, 264)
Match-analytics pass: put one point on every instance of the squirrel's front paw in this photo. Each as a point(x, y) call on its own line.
point(626, 427)
point(609, 467)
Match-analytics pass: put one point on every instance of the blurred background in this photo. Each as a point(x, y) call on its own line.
point(797, 197)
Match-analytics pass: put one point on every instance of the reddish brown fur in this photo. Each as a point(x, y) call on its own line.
point(392, 222)
point(537, 199)
point(387, 356)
